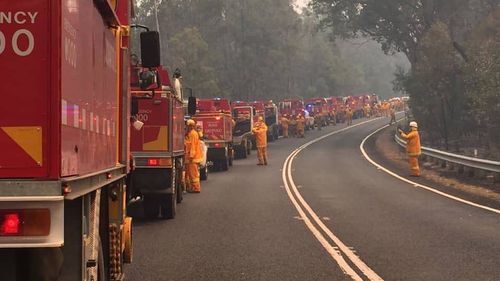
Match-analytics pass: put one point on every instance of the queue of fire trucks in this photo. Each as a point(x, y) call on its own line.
point(89, 126)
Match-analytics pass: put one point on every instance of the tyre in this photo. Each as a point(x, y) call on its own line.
point(151, 206)
point(101, 269)
point(178, 184)
point(168, 207)
point(204, 173)
point(231, 157)
point(224, 165)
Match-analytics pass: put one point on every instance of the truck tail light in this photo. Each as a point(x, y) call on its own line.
point(217, 144)
point(159, 161)
point(217, 118)
point(153, 162)
point(30, 222)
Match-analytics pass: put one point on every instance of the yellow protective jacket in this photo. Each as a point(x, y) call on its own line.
point(301, 123)
point(413, 147)
point(260, 132)
point(284, 122)
point(192, 147)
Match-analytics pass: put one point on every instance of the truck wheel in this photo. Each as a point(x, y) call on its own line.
point(231, 156)
point(168, 206)
point(224, 164)
point(101, 270)
point(178, 184)
point(151, 206)
point(204, 173)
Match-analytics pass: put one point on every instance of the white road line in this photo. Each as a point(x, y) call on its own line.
point(287, 177)
point(329, 248)
point(380, 167)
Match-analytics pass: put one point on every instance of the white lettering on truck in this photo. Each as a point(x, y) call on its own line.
point(20, 18)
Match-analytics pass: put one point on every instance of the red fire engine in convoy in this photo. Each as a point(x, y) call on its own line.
point(293, 107)
point(214, 118)
point(65, 118)
point(317, 106)
point(243, 116)
point(158, 148)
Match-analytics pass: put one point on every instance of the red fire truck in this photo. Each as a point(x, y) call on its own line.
point(158, 147)
point(65, 118)
point(318, 106)
point(293, 107)
point(214, 118)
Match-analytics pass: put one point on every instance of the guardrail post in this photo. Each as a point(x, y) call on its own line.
point(496, 177)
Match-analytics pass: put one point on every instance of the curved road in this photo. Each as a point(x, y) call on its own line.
point(245, 224)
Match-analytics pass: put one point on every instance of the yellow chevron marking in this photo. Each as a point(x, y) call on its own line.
point(160, 143)
point(29, 139)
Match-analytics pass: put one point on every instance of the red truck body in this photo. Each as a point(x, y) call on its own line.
point(317, 105)
point(63, 123)
point(64, 127)
point(158, 148)
point(291, 107)
point(163, 118)
point(214, 118)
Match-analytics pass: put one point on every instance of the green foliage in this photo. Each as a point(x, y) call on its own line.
point(249, 49)
point(483, 78)
point(192, 56)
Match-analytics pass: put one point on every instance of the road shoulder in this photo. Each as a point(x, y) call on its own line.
point(383, 150)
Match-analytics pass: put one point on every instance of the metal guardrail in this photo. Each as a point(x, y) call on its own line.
point(467, 161)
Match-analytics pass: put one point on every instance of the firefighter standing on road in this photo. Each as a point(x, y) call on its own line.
point(393, 115)
point(301, 123)
point(349, 114)
point(413, 149)
point(193, 157)
point(260, 132)
point(284, 125)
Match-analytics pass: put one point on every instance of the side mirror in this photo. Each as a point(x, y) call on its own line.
point(192, 106)
point(134, 108)
point(150, 49)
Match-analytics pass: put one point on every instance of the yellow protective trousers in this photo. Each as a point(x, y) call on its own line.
point(415, 169)
point(193, 177)
point(262, 154)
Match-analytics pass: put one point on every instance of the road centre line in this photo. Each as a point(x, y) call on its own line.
point(332, 250)
point(415, 184)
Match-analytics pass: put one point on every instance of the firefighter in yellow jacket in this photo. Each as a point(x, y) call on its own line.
point(413, 148)
point(260, 132)
point(193, 157)
point(284, 125)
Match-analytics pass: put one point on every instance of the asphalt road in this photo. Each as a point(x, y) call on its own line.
point(243, 226)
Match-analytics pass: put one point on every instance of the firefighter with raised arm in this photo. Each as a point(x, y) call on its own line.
point(193, 157)
point(413, 148)
point(260, 132)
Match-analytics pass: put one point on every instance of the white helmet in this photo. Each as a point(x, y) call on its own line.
point(413, 124)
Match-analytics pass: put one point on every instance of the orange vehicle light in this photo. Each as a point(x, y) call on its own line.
point(30, 222)
point(153, 162)
point(217, 118)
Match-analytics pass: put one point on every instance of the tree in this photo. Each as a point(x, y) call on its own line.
point(191, 54)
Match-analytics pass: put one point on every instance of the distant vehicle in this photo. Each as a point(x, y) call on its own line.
point(272, 121)
point(243, 116)
point(214, 118)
